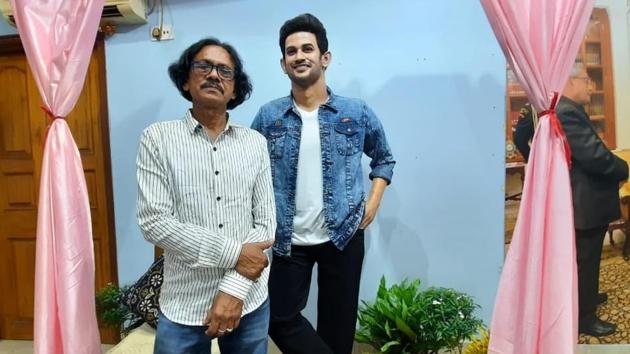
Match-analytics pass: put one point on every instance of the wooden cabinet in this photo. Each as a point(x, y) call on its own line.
point(596, 54)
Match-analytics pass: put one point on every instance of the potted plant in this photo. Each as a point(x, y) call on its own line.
point(111, 311)
point(405, 320)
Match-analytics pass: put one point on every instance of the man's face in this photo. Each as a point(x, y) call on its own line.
point(582, 87)
point(303, 62)
point(211, 78)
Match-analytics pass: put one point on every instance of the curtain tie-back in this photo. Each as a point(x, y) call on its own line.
point(557, 127)
point(552, 107)
point(50, 114)
point(52, 118)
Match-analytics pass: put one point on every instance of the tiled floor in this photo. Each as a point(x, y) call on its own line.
point(26, 347)
point(614, 278)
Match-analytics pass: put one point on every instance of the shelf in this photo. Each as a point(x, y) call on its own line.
point(515, 164)
point(597, 92)
point(598, 117)
point(594, 66)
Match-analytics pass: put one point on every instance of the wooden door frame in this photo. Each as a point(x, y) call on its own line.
point(13, 45)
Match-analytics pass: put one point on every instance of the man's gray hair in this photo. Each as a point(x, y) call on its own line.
point(577, 69)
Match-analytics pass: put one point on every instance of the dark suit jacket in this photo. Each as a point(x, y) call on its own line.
point(596, 171)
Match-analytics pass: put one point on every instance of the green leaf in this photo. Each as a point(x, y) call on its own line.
point(403, 327)
point(388, 329)
point(109, 308)
point(382, 289)
point(388, 345)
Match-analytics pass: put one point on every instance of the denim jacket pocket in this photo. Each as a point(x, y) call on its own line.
point(347, 138)
point(276, 140)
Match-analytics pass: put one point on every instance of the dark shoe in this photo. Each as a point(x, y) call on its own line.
point(602, 298)
point(598, 328)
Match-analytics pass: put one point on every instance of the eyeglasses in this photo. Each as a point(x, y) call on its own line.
point(586, 79)
point(205, 68)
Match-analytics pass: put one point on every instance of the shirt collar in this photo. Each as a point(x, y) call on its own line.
point(330, 103)
point(572, 102)
point(194, 126)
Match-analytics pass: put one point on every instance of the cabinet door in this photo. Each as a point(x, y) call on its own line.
point(597, 56)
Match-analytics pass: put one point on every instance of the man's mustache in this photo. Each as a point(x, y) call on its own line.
point(302, 62)
point(213, 84)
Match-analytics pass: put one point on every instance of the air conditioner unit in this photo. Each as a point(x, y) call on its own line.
point(122, 12)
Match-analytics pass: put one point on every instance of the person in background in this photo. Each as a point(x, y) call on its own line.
point(596, 175)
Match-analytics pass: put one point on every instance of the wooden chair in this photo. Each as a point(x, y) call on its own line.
point(623, 224)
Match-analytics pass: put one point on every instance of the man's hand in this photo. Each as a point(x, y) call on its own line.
point(376, 194)
point(622, 183)
point(253, 260)
point(224, 316)
point(368, 217)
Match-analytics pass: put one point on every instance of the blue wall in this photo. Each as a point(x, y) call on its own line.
point(431, 70)
point(5, 28)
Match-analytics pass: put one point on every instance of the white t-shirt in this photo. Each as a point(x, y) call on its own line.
point(308, 223)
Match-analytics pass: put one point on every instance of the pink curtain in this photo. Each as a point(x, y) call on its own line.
point(536, 306)
point(58, 37)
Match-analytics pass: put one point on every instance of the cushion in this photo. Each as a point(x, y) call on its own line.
point(143, 297)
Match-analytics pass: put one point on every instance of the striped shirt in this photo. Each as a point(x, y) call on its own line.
point(200, 201)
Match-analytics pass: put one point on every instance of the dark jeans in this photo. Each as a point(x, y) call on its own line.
point(588, 247)
point(249, 337)
point(339, 275)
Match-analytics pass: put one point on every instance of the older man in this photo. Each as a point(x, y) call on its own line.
point(206, 197)
point(596, 174)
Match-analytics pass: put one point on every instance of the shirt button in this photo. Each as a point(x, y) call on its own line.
point(218, 198)
point(215, 149)
point(220, 226)
point(216, 172)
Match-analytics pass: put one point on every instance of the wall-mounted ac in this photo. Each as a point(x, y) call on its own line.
point(123, 12)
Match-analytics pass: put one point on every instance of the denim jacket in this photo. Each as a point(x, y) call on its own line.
point(347, 128)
